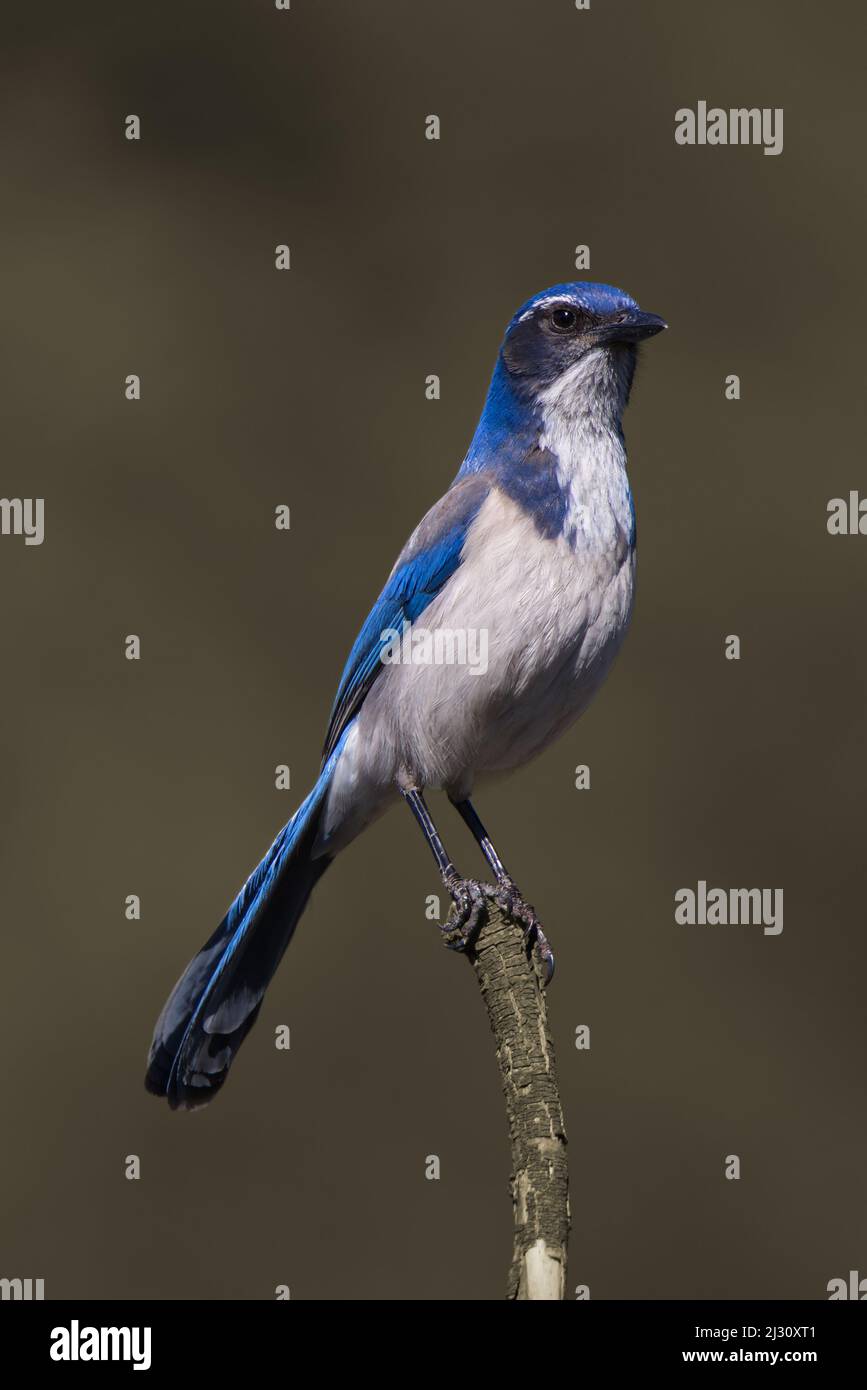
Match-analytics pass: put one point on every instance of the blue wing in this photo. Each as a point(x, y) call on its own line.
point(424, 566)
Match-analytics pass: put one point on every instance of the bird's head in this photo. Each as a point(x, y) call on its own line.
point(576, 341)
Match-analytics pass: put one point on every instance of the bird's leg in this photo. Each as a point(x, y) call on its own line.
point(506, 894)
point(463, 927)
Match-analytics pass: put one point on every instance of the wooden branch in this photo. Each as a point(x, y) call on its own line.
point(512, 991)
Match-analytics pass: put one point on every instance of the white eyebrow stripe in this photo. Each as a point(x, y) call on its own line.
point(554, 299)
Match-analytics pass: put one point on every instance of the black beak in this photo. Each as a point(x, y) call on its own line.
point(630, 326)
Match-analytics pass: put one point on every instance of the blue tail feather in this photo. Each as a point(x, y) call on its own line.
point(216, 1001)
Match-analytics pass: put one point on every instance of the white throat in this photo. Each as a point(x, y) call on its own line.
point(581, 414)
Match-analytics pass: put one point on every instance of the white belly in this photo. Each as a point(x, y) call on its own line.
point(554, 619)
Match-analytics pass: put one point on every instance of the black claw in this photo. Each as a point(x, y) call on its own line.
point(534, 936)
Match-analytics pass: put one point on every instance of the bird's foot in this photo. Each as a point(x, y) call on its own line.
point(508, 897)
point(466, 919)
point(463, 924)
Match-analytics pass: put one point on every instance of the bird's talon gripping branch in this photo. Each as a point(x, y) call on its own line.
point(514, 905)
point(466, 918)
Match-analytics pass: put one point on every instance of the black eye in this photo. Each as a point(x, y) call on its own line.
point(564, 320)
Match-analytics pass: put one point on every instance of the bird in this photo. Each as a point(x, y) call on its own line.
point(533, 546)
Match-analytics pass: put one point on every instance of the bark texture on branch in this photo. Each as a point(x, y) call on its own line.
point(516, 1005)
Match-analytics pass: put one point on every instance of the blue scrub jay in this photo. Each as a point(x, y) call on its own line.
point(533, 545)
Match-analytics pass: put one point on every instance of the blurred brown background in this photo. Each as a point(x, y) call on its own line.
point(307, 387)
